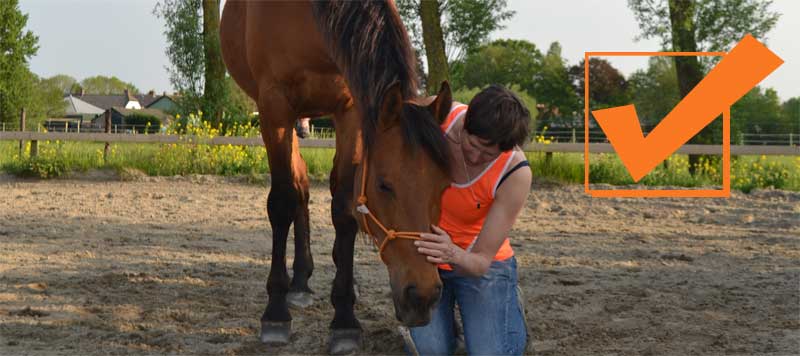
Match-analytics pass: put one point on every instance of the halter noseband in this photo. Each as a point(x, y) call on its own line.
point(364, 211)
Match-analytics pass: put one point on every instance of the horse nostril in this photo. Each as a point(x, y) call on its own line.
point(411, 293)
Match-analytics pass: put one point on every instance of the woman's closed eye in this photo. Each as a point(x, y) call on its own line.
point(480, 147)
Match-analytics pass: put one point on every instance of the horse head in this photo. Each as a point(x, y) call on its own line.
point(407, 172)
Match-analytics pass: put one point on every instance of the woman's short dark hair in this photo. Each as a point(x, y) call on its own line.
point(496, 114)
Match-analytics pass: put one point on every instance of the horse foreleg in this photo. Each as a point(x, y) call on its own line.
point(346, 333)
point(282, 206)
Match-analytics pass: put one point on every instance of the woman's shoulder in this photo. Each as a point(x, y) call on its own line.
point(454, 124)
point(517, 156)
point(517, 173)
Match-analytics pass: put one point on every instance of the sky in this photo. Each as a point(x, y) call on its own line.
point(123, 38)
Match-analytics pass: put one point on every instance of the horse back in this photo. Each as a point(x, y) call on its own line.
point(276, 44)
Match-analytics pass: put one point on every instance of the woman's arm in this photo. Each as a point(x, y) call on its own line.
point(509, 200)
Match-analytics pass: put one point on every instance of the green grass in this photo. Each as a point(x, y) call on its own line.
point(57, 159)
point(747, 172)
point(61, 158)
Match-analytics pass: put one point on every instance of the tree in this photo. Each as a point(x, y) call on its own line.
point(102, 85)
point(690, 26)
point(49, 98)
point(519, 62)
point(17, 46)
point(214, 92)
point(552, 88)
point(607, 86)
point(760, 112)
point(34, 99)
point(239, 104)
point(504, 62)
point(185, 50)
point(65, 83)
point(654, 91)
point(791, 112)
point(716, 24)
point(465, 26)
point(434, 44)
point(196, 69)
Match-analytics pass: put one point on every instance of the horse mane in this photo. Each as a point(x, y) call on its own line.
point(370, 44)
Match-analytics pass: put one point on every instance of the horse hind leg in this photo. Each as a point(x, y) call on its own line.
point(300, 295)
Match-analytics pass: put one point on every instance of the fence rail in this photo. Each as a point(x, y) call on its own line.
point(330, 143)
point(553, 135)
point(596, 135)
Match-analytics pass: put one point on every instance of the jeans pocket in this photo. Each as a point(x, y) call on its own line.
point(505, 270)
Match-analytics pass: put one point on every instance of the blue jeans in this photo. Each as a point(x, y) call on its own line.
point(490, 311)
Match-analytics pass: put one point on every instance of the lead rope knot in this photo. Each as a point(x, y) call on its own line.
point(362, 205)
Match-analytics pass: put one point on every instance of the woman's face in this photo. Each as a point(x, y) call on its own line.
point(478, 151)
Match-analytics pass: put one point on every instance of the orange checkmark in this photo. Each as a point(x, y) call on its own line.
point(739, 71)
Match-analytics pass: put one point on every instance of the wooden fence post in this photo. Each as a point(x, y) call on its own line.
point(35, 145)
point(34, 148)
point(22, 128)
point(107, 130)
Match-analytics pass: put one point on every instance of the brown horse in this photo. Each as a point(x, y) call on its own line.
point(352, 60)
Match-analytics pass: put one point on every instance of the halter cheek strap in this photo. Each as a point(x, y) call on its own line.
point(362, 209)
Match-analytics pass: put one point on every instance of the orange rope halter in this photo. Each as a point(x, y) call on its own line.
point(364, 211)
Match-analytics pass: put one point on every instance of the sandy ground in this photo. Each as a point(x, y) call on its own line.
point(163, 265)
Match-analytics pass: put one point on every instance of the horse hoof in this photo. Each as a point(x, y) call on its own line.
point(345, 341)
point(299, 300)
point(275, 332)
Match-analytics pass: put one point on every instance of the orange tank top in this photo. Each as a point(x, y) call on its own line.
point(462, 216)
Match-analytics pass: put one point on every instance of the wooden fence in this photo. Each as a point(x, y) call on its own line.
point(549, 149)
point(34, 137)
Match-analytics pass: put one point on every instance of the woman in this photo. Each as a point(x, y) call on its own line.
point(476, 263)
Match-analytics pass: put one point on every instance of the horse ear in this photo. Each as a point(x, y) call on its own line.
point(441, 106)
point(391, 105)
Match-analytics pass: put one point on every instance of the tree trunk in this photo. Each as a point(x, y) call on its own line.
point(690, 73)
point(434, 44)
point(214, 91)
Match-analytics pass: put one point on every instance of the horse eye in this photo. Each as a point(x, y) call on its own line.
point(385, 187)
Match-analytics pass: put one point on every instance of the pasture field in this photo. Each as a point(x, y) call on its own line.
point(58, 159)
point(178, 265)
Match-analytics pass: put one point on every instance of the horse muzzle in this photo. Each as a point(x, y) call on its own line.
point(413, 307)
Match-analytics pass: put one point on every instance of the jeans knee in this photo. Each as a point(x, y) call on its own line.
point(431, 345)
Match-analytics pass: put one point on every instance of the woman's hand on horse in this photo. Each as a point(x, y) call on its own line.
point(438, 246)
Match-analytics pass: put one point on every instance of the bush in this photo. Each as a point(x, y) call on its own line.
point(141, 121)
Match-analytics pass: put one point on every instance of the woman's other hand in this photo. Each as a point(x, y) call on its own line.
point(438, 247)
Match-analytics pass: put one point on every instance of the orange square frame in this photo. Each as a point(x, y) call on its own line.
point(725, 192)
